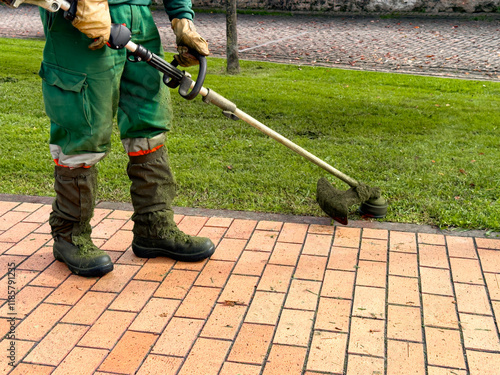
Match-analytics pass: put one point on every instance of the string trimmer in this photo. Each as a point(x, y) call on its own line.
point(334, 202)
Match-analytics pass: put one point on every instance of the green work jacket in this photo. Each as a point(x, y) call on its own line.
point(174, 8)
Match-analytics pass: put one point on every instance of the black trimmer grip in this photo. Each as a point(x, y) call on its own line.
point(70, 14)
point(202, 72)
point(119, 36)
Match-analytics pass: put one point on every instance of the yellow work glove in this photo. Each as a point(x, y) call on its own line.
point(93, 19)
point(186, 38)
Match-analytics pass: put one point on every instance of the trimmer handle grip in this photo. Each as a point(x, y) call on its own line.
point(119, 36)
point(202, 72)
point(70, 13)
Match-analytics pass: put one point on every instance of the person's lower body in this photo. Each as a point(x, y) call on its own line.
point(83, 91)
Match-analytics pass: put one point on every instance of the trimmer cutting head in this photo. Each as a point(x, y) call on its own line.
point(336, 203)
point(375, 208)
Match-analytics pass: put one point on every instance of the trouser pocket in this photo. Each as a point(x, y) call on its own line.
point(65, 94)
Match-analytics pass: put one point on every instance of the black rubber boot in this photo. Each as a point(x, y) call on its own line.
point(155, 232)
point(70, 222)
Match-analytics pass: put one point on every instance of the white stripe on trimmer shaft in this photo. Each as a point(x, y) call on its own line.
point(274, 41)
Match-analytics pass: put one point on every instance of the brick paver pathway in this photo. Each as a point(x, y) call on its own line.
point(277, 297)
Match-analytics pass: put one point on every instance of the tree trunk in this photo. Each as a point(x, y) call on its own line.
point(233, 64)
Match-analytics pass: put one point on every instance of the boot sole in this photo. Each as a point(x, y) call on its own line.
point(86, 272)
point(151, 252)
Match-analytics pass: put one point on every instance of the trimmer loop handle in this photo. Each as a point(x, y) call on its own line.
point(202, 72)
point(173, 77)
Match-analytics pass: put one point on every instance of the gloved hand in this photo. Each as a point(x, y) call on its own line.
point(93, 19)
point(187, 37)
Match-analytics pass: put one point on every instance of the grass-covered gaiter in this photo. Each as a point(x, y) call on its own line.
point(152, 190)
point(72, 211)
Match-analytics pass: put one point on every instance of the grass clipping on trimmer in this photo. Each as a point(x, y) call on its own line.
point(336, 203)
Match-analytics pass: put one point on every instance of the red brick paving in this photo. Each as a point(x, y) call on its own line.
point(276, 298)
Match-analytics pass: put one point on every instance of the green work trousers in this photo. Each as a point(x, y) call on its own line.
point(83, 90)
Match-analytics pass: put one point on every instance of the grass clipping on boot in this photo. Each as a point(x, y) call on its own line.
point(336, 203)
point(159, 225)
point(86, 247)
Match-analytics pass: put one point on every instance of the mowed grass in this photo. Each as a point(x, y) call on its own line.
point(431, 144)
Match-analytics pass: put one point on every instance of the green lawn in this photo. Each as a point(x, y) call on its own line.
point(431, 144)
